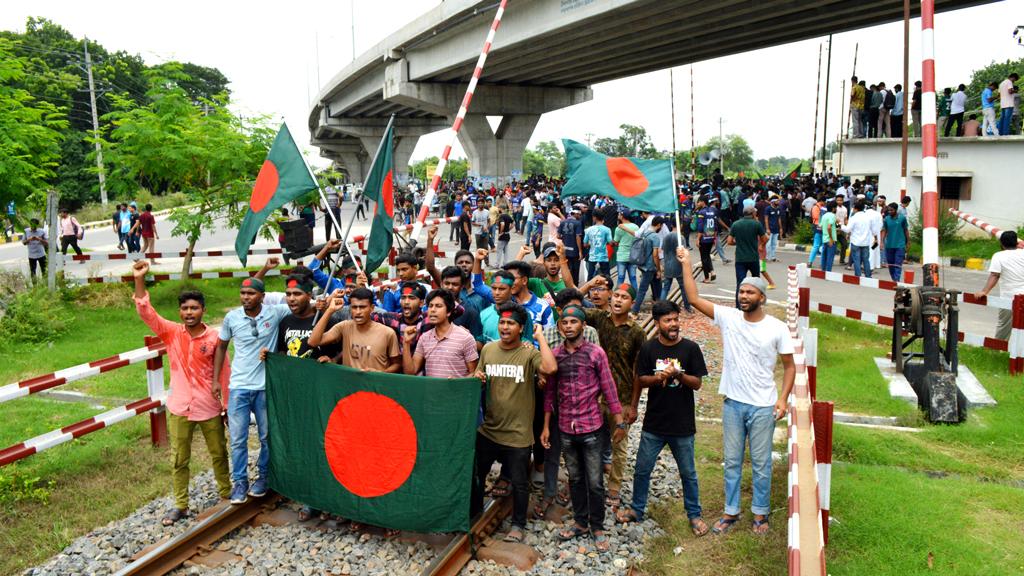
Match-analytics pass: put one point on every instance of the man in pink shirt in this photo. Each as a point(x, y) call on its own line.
point(193, 399)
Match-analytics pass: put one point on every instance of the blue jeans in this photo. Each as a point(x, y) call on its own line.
point(742, 268)
point(666, 287)
point(815, 248)
point(828, 255)
point(860, 256)
point(593, 267)
point(719, 248)
point(894, 256)
point(626, 272)
point(773, 245)
point(647, 456)
point(1005, 115)
point(740, 423)
point(240, 404)
point(552, 457)
point(529, 228)
point(582, 453)
point(647, 279)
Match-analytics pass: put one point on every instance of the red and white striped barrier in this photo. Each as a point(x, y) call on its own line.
point(81, 371)
point(428, 199)
point(806, 543)
point(107, 256)
point(963, 298)
point(823, 418)
point(1016, 343)
point(177, 276)
point(152, 353)
point(993, 230)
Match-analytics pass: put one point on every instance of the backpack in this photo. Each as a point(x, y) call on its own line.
point(641, 249)
point(890, 100)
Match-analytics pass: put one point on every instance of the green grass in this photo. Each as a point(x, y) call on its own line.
point(964, 248)
point(105, 475)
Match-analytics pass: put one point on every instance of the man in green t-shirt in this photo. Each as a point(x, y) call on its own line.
point(510, 372)
point(747, 234)
point(623, 238)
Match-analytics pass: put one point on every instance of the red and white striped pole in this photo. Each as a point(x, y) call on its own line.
point(428, 200)
point(155, 387)
point(929, 148)
point(995, 231)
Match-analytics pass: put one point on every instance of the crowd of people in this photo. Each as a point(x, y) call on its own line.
point(877, 111)
point(565, 360)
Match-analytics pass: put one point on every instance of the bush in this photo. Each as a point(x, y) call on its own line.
point(15, 488)
point(949, 226)
point(804, 232)
point(35, 316)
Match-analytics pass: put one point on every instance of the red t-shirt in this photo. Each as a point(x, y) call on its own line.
point(148, 224)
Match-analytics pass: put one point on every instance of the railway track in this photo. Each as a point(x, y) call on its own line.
point(200, 540)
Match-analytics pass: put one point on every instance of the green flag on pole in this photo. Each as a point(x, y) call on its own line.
point(283, 178)
point(793, 175)
point(389, 450)
point(646, 185)
point(380, 188)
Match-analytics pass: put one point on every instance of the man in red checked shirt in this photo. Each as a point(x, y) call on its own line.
point(193, 400)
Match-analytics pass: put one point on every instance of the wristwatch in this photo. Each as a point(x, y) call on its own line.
point(621, 426)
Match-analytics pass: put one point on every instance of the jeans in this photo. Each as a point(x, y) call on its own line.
point(815, 249)
point(988, 122)
point(240, 404)
point(515, 465)
point(666, 287)
point(773, 245)
point(502, 251)
point(828, 255)
point(742, 422)
point(719, 243)
point(873, 123)
point(552, 456)
point(647, 456)
point(602, 267)
point(856, 119)
point(133, 242)
point(582, 453)
point(1005, 116)
point(574, 269)
point(842, 243)
point(529, 228)
point(626, 272)
point(647, 279)
point(894, 256)
point(860, 256)
point(742, 268)
point(34, 262)
point(958, 120)
point(69, 240)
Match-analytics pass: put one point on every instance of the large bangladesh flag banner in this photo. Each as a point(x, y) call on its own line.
point(385, 449)
point(283, 178)
point(646, 185)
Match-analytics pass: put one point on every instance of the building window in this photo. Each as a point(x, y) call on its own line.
point(953, 189)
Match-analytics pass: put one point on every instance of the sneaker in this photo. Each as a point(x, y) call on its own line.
point(238, 493)
point(259, 487)
point(771, 286)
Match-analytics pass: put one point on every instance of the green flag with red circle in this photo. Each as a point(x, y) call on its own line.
point(380, 187)
point(283, 177)
point(646, 185)
point(388, 450)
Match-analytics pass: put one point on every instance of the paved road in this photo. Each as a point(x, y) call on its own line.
point(974, 319)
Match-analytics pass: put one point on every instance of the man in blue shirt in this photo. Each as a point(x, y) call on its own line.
point(596, 239)
point(408, 269)
point(570, 232)
point(772, 222)
point(988, 110)
point(252, 327)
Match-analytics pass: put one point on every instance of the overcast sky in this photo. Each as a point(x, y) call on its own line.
point(269, 51)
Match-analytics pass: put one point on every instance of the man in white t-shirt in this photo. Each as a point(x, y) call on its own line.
point(752, 341)
point(1006, 90)
point(1006, 269)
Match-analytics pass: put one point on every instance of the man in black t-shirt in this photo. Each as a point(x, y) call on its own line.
point(671, 368)
point(465, 223)
point(294, 329)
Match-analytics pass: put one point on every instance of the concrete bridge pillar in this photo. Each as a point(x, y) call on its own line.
point(401, 153)
point(494, 154)
point(356, 165)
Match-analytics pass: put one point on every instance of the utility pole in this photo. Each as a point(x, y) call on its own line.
point(672, 101)
point(817, 98)
point(95, 125)
point(589, 136)
point(352, 17)
point(824, 121)
point(906, 88)
point(721, 148)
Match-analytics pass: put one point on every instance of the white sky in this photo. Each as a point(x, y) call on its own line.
point(269, 52)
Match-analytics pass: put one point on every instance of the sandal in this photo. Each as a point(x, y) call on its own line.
point(173, 516)
point(515, 536)
point(562, 499)
point(699, 527)
point(574, 531)
point(601, 541)
point(626, 516)
point(540, 510)
point(501, 488)
point(613, 501)
point(305, 513)
point(724, 525)
point(756, 528)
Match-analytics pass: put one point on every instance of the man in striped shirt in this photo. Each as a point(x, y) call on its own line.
point(446, 350)
point(583, 377)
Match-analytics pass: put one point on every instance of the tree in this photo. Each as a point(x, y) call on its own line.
point(633, 141)
point(736, 153)
point(173, 144)
point(994, 72)
point(547, 159)
point(30, 135)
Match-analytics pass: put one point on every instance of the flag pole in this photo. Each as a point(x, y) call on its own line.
point(457, 124)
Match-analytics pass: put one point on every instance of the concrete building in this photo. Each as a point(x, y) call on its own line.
point(546, 56)
point(981, 176)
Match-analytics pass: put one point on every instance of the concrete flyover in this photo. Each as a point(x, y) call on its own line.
point(546, 56)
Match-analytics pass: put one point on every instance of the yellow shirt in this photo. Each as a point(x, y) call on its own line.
point(857, 97)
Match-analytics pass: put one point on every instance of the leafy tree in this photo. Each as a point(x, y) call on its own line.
point(547, 159)
point(736, 153)
point(30, 135)
point(994, 72)
point(634, 141)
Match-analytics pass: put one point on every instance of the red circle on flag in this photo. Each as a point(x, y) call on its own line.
point(266, 185)
point(370, 444)
point(626, 177)
point(388, 193)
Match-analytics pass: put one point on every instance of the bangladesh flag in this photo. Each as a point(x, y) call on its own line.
point(380, 188)
point(389, 450)
point(645, 185)
point(793, 175)
point(283, 178)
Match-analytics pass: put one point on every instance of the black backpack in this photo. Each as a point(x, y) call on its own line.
point(641, 249)
point(890, 100)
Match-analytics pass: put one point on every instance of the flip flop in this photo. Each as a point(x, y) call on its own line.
point(540, 510)
point(757, 525)
point(724, 525)
point(626, 516)
point(173, 516)
point(514, 536)
point(699, 527)
point(572, 532)
point(601, 541)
